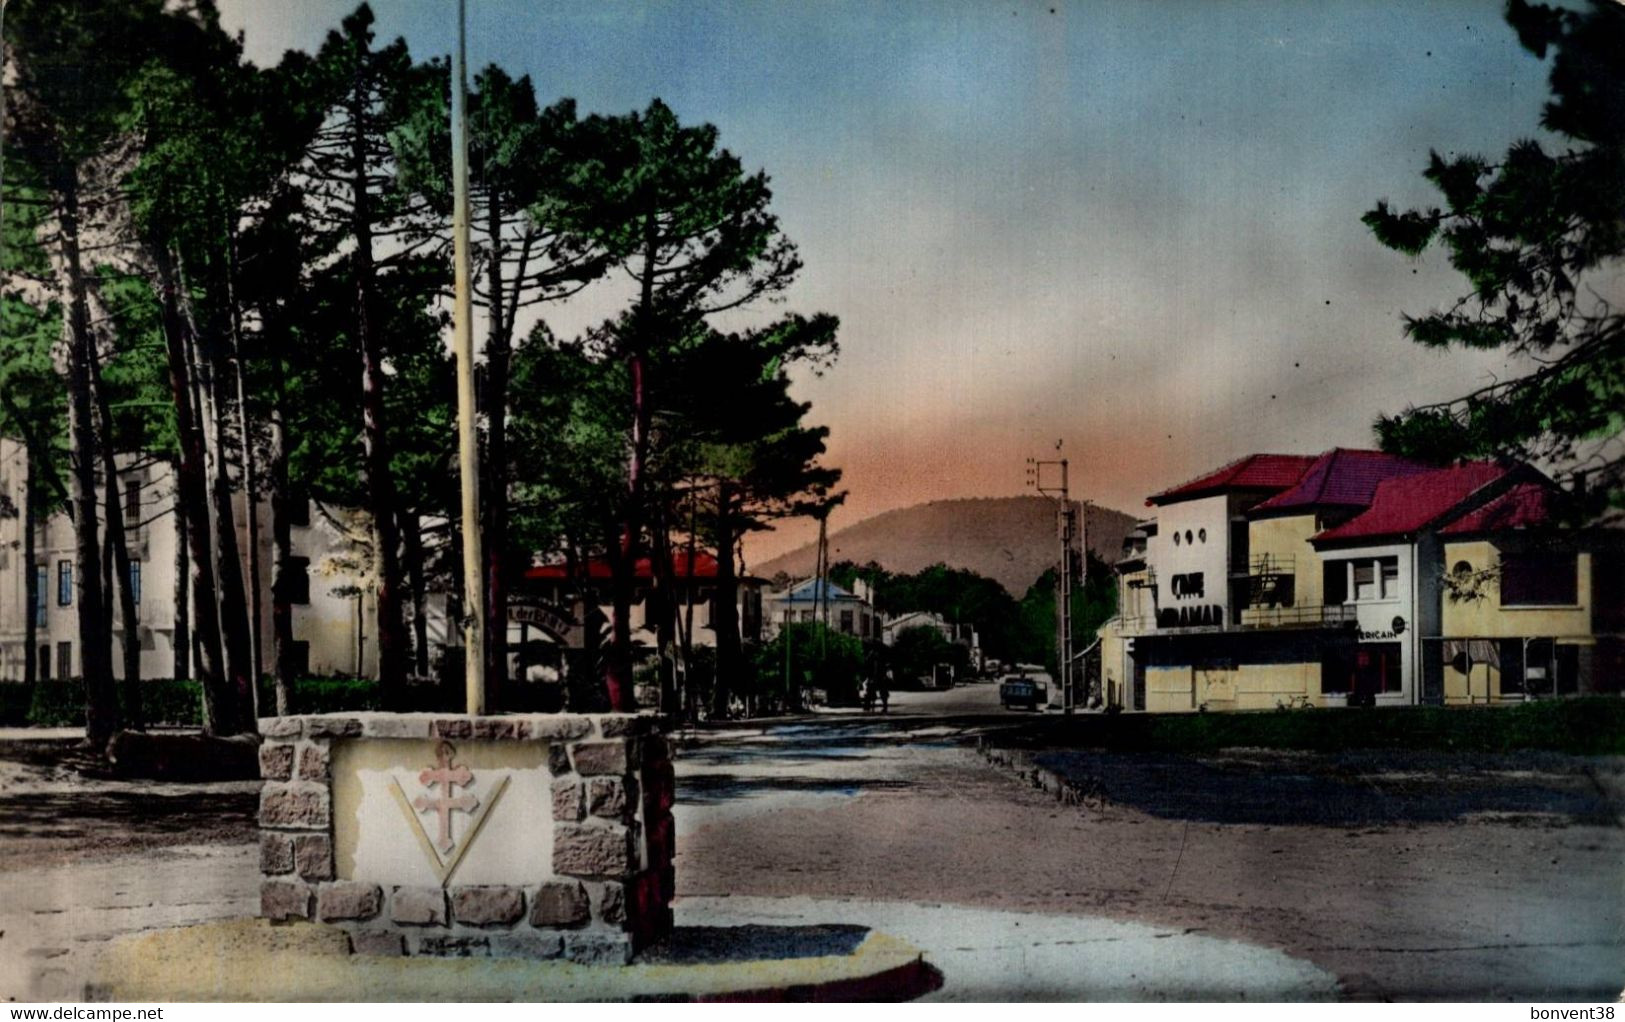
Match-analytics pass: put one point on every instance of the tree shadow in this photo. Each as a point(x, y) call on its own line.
point(1342, 790)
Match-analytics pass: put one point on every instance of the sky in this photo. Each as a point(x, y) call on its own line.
point(1130, 229)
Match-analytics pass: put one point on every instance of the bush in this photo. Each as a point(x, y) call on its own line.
point(15, 699)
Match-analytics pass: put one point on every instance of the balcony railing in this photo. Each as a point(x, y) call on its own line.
point(1271, 564)
point(1311, 616)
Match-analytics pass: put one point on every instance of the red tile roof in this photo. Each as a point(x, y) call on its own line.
point(1254, 472)
point(1406, 504)
point(705, 566)
point(1524, 506)
point(1341, 478)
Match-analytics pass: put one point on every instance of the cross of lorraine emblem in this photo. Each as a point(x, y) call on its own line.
point(440, 802)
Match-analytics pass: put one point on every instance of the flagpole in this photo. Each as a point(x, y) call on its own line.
point(463, 343)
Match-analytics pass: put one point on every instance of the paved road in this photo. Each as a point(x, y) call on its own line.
point(893, 822)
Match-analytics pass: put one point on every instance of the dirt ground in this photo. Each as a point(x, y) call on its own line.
point(55, 809)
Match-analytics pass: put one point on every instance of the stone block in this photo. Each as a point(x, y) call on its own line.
point(313, 763)
point(591, 851)
point(560, 904)
point(501, 729)
point(284, 899)
point(276, 854)
point(313, 856)
point(526, 945)
point(487, 905)
point(377, 942)
point(447, 946)
point(561, 727)
point(598, 948)
point(347, 899)
point(567, 801)
point(276, 761)
point(611, 902)
point(418, 906)
point(282, 727)
point(395, 726)
point(294, 806)
point(608, 797)
point(333, 727)
point(623, 725)
point(600, 757)
point(558, 760)
point(451, 729)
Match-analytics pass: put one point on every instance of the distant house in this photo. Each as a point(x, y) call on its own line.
point(557, 601)
point(850, 613)
point(963, 633)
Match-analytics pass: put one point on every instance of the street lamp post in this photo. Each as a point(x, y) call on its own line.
point(1036, 478)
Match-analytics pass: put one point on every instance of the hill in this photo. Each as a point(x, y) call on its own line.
point(1009, 539)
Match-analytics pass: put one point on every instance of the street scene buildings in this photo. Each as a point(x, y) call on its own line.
point(1361, 578)
point(1048, 501)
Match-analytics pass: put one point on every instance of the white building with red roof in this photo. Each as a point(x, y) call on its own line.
point(1288, 580)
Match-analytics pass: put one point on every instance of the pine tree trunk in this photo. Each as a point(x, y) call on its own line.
point(181, 638)
point(494, 488)
point(250, 468)
point(281, 556)
point(380, 478)
point(725, 617)
point(118, 540)
point(412, 534)
point(663, 604)
point(95, 649)
point(233, 604)
point(220, 713)
point(31, 593)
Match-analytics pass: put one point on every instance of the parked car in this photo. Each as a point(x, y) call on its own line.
point(1016, 690)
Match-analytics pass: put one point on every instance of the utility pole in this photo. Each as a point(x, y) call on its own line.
point(1041, 477)
point(463, 344)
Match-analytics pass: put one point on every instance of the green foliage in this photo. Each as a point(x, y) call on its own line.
point(1538, 237)
point(62, 703)
point(960, 596)
point(916, 652)
point(1093, 604)
point(819, 657)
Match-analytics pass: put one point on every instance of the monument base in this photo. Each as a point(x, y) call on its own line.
point(535, 836)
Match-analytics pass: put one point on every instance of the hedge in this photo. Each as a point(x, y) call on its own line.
point(59, 703)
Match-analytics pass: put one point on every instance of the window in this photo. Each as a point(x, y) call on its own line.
point(64, 583)
point(1365, 580)
point(42, 582)
point(64, 660)
point(45, 661)
point(806, 616)
point(299, 658)
point(132, 502)
point(298, 580)
point(1539, 579)
point(135, 582)
point(1335, 583)
point(846, 622)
